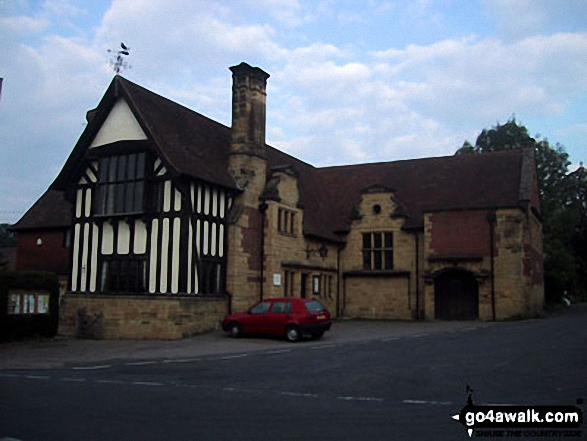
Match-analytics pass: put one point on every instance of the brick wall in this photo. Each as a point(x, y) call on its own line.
point(51, 255)
point(460, 233)
point(140, 317)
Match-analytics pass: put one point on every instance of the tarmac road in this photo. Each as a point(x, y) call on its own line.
point(364, 380)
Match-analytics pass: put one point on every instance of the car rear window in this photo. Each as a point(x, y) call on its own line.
point(314, 306)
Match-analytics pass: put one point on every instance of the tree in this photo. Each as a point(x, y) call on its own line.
point(7, 240)
point(563, 205)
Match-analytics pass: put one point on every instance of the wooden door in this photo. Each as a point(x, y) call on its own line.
point(456, 296)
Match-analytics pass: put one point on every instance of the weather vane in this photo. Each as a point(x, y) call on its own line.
point(118, 62)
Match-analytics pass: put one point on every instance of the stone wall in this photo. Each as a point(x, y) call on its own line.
point(379, 297)
point(517, 260)
point(386, 293)
point(139, 317)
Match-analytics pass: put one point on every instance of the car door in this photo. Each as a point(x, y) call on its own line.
point(256, 320)
point(279, 316)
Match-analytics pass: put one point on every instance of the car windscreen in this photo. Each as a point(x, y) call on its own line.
point(315, 306)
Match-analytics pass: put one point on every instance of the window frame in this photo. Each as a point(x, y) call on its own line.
point(377, 251)
point(286, 221)
point(121, 186)
point(132, 283)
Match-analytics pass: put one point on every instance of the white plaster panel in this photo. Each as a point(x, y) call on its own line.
point(153, 259)
point(140, 244)
point(107, 239)
point(123, 245)
point(175, 256)
point(120, 125)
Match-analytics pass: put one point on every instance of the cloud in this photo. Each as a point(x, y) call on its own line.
point(422, 100)
point(21, 26)
point(328, 102)
point(519, 19)
point(62, 8)
point(488, 76)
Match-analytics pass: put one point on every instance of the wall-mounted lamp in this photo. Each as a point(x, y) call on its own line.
point(322, 252)
point(39, 242)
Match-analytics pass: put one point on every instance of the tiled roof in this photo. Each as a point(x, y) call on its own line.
point(422, 185)
point(51, 210)
point(196, 146)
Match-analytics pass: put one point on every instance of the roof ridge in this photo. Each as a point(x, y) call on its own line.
point(424, 159)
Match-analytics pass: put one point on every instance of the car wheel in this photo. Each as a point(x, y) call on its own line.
point(292, 333)
point(234, 330)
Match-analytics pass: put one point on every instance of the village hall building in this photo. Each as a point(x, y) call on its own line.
point(163, 220)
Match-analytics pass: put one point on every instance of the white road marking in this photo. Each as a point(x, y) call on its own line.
point(140, 363)
point(76, 380)
point(323, 346)
point(231, 357)
point(361, 399)
point(279, 351)
point(390, 339)
point(430, 402)
point(299, 394)
point(147, 383)
point(90, 368)
point(37, 377)
point(182, 360)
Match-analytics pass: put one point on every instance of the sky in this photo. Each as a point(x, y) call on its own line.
point(352, 81)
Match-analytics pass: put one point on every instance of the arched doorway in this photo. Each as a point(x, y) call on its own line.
point(456, 296)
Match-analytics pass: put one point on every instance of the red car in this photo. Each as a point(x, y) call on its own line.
point(292, 318)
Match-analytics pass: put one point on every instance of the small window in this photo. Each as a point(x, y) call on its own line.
point(378, 251)
point(286, 221)
point(316, 285)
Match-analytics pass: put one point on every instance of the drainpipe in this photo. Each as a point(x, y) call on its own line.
point(263, 210)
point(491, 218)
point(338, 310)
point(417, 276)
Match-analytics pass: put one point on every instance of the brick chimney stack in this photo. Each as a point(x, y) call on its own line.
point(248, 109)
point(247, 162)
